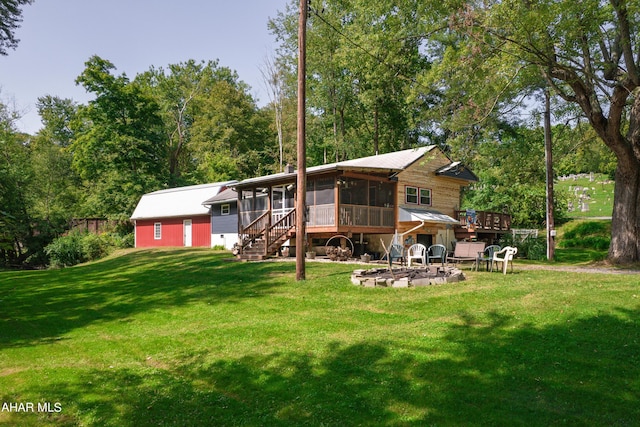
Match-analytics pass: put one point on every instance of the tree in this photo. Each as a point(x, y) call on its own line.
point(274, 79)
point(15, 171)
point(228, 137)
point(10, 18)
point(494, 52)
point(56, 115)
point(118, 148)
point(54, 185)
point(511, 169)
point(210, 124)
point(361, 63)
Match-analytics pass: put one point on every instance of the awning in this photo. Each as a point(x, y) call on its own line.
point(413, 215)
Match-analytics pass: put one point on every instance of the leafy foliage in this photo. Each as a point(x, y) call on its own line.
point(512, 178)
point(495, 52)
point(10, 18)
point(78, 247)
point(118, 148)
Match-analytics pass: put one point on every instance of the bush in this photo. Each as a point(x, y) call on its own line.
point(534, 248)
point(65, 251)
point(78, 247)
point(94, 246)
point(126, 241)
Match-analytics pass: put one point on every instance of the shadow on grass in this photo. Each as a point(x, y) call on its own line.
point(481, 372)
point(578, 256)
point(40, 306)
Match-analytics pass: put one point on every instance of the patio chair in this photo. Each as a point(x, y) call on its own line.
point(416, 252)
point(396, 252)
point(486, 256)
point(437, 252)
point(508, 252)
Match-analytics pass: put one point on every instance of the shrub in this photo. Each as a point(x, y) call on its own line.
point(126, 241)
point(77, 247)
point(534, 248)
point(65, 251)
point(94, 246)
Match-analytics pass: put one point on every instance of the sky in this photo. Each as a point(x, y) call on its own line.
point(57, 37)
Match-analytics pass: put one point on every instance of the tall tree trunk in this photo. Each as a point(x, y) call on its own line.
point(376, 141)
point(625, 226)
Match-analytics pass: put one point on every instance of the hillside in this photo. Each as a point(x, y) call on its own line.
point(593, 191)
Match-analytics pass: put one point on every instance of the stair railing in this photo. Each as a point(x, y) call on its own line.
point(280, 229)
point(256, 229)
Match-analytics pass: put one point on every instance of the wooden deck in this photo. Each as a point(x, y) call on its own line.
point(486, 224)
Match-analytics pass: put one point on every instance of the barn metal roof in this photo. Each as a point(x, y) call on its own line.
point(176, 202)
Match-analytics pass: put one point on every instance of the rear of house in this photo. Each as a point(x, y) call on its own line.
point(224, 218)
point(410, 195)
point(175, 217)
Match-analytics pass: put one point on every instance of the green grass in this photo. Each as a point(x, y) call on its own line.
point(186, 337)
point(601, 193)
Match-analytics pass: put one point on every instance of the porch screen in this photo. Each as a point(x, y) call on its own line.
point(320, 192)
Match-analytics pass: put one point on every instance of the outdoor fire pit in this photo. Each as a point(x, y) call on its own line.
point(406, 277)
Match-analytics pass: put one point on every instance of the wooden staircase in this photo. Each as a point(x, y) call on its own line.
point(261, 239)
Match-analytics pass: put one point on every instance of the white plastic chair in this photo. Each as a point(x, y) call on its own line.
point(417, 251)
point(508, 252)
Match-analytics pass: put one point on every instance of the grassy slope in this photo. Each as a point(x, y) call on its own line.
point(184, 337)
point(601, 193)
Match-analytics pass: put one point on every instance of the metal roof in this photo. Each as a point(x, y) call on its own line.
point(225, 196)
point(390, 162)
point(457, 170)
point(411, 215)
point(176, 202)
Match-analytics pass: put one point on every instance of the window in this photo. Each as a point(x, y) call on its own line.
point(225, 209)
point(157, 231)
point(411, 195)
point(425, 196)
point(418, 196)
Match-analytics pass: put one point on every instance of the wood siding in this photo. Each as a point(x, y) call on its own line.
point(172, 232)
point(445, 192)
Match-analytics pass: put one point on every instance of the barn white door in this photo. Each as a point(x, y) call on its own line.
point(186, 226)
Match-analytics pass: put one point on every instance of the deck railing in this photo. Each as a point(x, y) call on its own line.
point(489, 221)
point(366, 216)
point(325, 216)
point(321, 215)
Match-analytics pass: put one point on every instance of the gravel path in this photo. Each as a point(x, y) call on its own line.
point(601, 270)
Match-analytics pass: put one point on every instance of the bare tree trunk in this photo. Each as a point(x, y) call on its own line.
point(625, 226)
point(376, 136)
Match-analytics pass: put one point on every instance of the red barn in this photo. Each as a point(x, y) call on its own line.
point(175, 217)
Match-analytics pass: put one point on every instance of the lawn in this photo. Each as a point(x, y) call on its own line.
point(186, 337)
point(600, 192)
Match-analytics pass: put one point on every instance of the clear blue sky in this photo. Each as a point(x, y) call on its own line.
point(58, 36)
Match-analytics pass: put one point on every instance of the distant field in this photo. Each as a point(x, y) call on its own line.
point(598, 194)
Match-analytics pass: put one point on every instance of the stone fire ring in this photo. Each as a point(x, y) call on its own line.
point(406, 277)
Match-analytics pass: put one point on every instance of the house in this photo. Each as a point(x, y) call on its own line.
point(224, 218)
point(176, 216)
point(411, 195)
